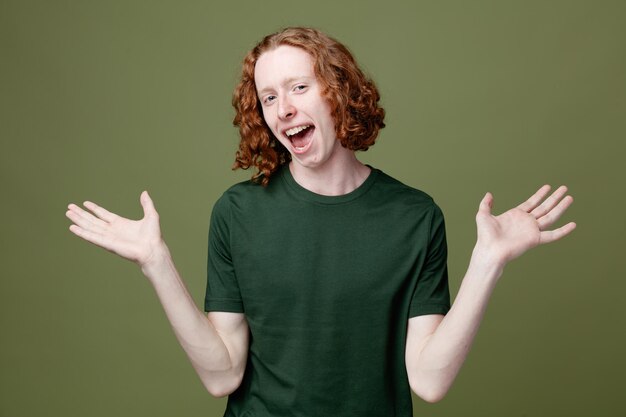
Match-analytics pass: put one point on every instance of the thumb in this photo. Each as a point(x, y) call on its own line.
point(485, 204)
point(147, 204)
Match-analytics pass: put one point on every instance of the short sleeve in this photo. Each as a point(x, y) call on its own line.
point(222, 290)
point(432, 295)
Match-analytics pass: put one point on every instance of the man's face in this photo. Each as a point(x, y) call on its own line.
point(294, 108)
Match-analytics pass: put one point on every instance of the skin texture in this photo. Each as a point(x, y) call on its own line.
point(290, 96)
point(436, 345)
point(217, 343)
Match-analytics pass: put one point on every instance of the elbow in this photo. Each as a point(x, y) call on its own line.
point(222, 387)
point(219, 391)
point(432, 397)
point(431, 393)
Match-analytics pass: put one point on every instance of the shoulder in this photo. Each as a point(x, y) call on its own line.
point(241, 190)
point(236, 195)
point(399, 193)
point(248, 195)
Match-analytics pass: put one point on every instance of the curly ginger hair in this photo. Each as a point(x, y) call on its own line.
point(353, 100)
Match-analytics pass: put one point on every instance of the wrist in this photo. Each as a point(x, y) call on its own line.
point(158, 259)
point(488, 262)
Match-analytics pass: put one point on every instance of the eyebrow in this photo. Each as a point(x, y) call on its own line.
point(288, 81)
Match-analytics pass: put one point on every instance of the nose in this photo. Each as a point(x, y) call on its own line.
point(286, 110)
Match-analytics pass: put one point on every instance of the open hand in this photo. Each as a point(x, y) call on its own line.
point(136, 240)
point(507, 236)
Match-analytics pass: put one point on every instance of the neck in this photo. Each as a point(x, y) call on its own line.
point(332, 179)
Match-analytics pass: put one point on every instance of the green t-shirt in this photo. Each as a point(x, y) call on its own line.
point(327, 285)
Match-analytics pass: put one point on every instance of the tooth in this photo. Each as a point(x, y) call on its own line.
point(295, 130)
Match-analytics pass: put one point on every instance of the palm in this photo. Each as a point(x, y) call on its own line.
point(515, 231)
point(131, 239)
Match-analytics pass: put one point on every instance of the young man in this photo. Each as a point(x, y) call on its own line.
point(327, 284)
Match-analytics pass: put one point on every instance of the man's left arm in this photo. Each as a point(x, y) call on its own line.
point(437, 346)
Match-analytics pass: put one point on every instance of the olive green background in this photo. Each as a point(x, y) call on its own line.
point(100, 100)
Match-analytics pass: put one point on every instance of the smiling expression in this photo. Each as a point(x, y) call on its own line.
point(294, 108)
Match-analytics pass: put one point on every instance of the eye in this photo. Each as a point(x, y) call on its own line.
point(300, 87)
point(269, 99)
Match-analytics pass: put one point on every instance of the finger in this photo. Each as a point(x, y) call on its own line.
point(101, 212)
point(549, 202)
point(148, 205)
point(88, 235)
point(556, 234)
point(83, 218)
point(485, 204)
point(535, 199)
point(98, 239)
point(555, 213)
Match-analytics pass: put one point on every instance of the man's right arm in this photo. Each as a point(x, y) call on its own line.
point(216, 344)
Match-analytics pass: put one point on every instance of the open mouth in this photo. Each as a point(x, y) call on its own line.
point(300, 136)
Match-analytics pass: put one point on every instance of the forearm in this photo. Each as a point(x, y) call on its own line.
point(436, 350)
point(441, 356)
point(217, 347)
point(207, 350)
